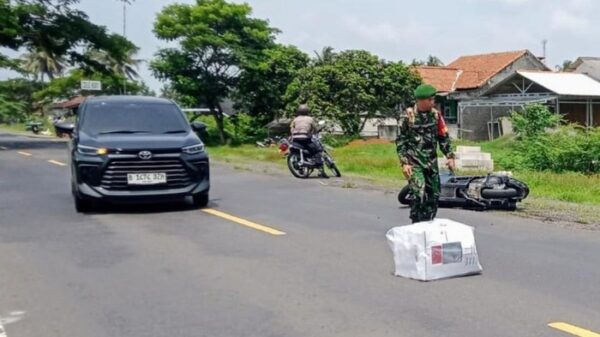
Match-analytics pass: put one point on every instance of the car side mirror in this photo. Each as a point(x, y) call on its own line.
point(198, 127)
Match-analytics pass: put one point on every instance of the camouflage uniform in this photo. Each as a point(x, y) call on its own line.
point(418, 137)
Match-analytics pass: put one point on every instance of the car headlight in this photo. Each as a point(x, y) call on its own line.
point(91, 151)
point(193, 149)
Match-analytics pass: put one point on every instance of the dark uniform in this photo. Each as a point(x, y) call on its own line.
point(418, 138)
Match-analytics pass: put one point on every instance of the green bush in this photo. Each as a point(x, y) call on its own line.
point(568, 148)
point(239, 129)
point(533, 120)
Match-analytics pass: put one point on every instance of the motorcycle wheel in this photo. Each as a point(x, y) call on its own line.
point(489, 193)
point(293, 164)
point(330, 164)
point(404, 196)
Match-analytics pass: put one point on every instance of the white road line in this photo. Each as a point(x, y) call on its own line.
point(2, 331)
point(56, 162)
point(3, 148)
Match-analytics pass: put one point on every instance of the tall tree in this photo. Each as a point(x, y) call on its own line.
point(215, 40)
point(263, 84)
point(124, 64)
point(431, 61)
point(354, 87)
point(41, 62)
point(326, 56)
point(57, 28)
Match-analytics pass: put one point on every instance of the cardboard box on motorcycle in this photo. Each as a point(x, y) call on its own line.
point(434, 250)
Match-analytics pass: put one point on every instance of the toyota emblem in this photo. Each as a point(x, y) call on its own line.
point(145, 155)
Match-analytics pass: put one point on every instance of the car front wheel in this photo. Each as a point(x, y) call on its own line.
point(201, 200)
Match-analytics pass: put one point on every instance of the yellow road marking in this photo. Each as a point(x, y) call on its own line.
point(27, 154)
point(56, 162)
point(573, 330)
point(243, 222)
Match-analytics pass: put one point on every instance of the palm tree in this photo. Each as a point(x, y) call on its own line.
point(40, 62)
point(126, 65)
point(325, 57)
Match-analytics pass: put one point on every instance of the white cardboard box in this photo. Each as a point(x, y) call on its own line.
point(434, 250)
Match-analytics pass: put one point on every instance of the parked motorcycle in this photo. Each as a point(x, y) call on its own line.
point(494, 191)
point(63, 128)
point(302, 164)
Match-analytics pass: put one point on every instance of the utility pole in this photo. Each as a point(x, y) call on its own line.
point(125, 36)
point(544, 42)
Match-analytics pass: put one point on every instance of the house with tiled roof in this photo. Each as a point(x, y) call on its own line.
point(467, 78)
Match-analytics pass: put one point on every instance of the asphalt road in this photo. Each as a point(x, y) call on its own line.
point(171, 270)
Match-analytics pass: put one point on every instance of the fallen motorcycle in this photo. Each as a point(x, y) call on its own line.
point(494, 191)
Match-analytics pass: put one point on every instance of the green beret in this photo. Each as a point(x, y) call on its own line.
point(425, 91)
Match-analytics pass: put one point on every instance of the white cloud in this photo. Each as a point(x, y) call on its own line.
point(564, 20)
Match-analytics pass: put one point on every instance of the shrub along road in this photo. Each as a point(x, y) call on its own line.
point(272, 256)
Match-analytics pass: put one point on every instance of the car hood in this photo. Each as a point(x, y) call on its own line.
point(140, 141)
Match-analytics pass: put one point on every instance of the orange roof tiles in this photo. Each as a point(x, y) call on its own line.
point(442, 78)
point(477, 69)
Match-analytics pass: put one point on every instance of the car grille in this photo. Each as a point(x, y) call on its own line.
point(114, 176)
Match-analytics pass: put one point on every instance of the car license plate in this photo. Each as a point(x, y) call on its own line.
point(150, 178)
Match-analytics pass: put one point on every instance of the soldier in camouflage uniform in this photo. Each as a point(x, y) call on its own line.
point(419, 135)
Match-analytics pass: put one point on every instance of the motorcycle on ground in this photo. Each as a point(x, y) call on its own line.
point(302, 164)
point(494, 191)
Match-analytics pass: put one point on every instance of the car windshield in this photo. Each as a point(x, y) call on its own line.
point(130, 118)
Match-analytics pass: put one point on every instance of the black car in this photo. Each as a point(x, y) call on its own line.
point(136, 149)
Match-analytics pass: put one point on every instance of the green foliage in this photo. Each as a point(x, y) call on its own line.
point(69, 86)
point(533, 120)
point(239, 129)
point(20, 90)
point(351, 87)
point(263, 84)
point(569, 148)
point(11, 111)
point(215, 39)
point(59, 31)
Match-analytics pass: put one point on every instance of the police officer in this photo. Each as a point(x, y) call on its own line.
point(419, 135)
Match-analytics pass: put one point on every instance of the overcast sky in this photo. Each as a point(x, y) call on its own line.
point(396, 30)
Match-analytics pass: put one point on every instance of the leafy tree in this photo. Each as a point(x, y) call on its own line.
point(431, 61)
point(215, 40)
point(565, 65)
point(40, 63)
point(59, 30)
point(11, 111)
point(354, 87)
point(533, 120)
point(326, 56)
point(69, 86)
point(399, 83)
point(264, 83)
point(124, 64)
point(20, 90)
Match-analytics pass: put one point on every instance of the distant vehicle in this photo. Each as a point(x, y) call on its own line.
point(300, 162)
point(135, 149)
point(494, 191)
point(34, 127)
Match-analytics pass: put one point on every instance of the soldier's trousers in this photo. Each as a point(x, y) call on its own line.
point(424, 186)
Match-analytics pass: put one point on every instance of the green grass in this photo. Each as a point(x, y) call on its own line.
point(378, 163)
point(17, 127)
